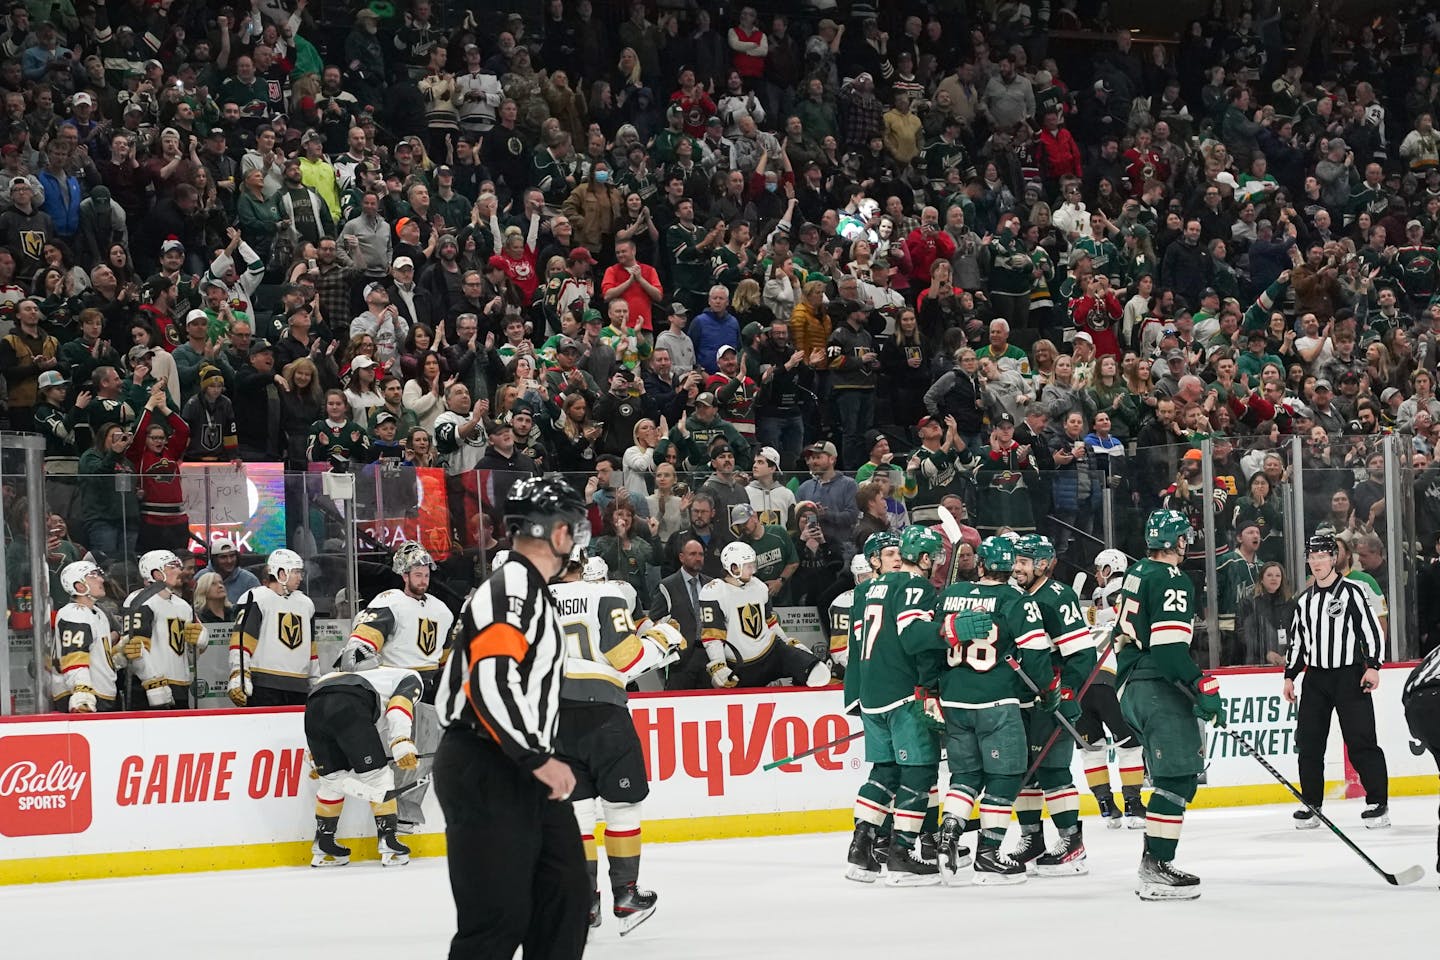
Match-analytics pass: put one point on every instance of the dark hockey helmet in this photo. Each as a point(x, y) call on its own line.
point(877, 543)
point(1035, 547)
point(996, 554)
point(534, 505)
point(1321, 543)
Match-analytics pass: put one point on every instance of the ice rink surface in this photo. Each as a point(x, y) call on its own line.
point(1266, 887)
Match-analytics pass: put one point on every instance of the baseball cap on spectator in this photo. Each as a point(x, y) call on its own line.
point(567, 345)
point(822, 446)
point(1209, 292)
point(722, 350)
point(19, 182)
point(493, 427)
point(361, 362)
point(705, 399)
point(770, 455)
point(496, 262)
point(171, 243)
point(133, 107)
point(1002, 420)
point(1193, 454)
point(298, 308)
point(678, 310)
point(196, 316)
point(1414, 225)
point(83, 99)
point(925, 421)
point(401, 224)
point(740, 514)
point(402, 263)
point(372, 288)
point(1323, 384)
point(715, 122)
point(157, 284)
point(444, 171)
point(260, 345)
point(311, 136)
point(752, 329)
point(721, 448)
point(1349, 376)
point(51, 378)
point(384, 416)
point(1227, 179)
point(1083, 335)
point(1389, 393)
point(580, 255)
point(1174, 354)
point(223, 548)
point(1256, 335)
point(1299, 410)
point(592, 315)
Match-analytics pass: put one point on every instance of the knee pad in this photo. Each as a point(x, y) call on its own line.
point(1050, 779)
point(585, 816)
point(1178, 790)
point(886, 775)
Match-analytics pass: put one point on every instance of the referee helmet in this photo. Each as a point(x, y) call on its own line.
point(1321, 543)
point(534, 505)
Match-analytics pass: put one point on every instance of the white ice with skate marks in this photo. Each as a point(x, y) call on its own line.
point(1265, 887)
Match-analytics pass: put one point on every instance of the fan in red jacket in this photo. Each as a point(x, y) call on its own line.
point(1097, 313)
point(156, 456)
point(926, 244)
point(1059, 154)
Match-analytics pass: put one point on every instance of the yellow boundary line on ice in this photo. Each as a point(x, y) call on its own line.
point(297, 853)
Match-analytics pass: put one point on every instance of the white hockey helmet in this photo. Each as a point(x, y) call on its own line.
point(283, 560)
point(154, 560)
point(738, 560)
point(499, 559)
point(596, 570)
point(356, 657)
point(410, 555)
point(860, 567)
point(74, 574)
point(1111, 563)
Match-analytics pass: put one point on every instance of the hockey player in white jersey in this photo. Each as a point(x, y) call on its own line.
point(1100, 709)
point(742, 636)
point(407, 628)
point(838, 617)
point(160, 630)
point(272, 648)
point(605, 651)
point(86, 645)
point(356, 720)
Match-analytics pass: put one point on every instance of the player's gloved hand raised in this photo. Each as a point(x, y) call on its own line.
point(721, 675)
point(239, 688)
point(404, 753)
point(1208, 703)
point(193, 632)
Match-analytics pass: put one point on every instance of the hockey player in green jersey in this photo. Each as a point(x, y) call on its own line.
point(874, 803)
point(898, 654)
point(981, 625)
point(1155, 623)
point(1053, 784)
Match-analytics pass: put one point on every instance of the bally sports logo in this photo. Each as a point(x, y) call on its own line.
point(44, 785)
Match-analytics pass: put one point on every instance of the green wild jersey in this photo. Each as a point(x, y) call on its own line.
point(1069, 633)
point(978, 675)
point(1155, 617)
point(897, 649)
point(845, 611)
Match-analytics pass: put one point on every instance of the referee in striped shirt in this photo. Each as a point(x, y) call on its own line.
point(517, 866)
point(1421, 699)
point(1337, 643)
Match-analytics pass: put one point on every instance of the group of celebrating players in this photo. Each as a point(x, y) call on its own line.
point(987, 671)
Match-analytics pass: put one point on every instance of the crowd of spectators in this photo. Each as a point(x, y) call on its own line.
point(791, 277)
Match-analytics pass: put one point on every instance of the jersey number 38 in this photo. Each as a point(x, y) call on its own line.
point(977, 653)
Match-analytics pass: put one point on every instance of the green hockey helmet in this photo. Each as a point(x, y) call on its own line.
point(997, 554)
point(876, 543)
point(1035, 547)
point(917, 541)
point(1164, 529)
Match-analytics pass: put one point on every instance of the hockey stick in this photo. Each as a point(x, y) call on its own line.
point(1403, 878)
point(1069, 727)
point(813, 750)
point(1079, 698)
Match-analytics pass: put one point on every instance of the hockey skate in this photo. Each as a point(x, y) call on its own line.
point(1110, 813)
point(325, 852)
point(908, 866)
point(1376, 815)
point(393, 853)
point(1305, 819)
point(1159, 880)
point(595, 910)
point(1134, 809)
point(863, 865)
point(633, 906)
point(882, 849)
point(993, 868)
point(1066, 858)
point(952, 857)
point(1031, 847)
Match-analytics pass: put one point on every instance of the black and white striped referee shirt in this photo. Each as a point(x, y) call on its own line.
point(1426, 676)
point(506, 663)
point(1332, 627)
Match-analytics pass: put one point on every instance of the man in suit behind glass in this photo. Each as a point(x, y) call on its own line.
point(679, 597)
